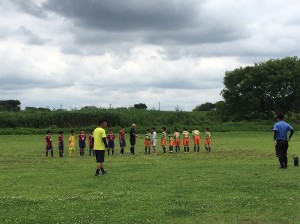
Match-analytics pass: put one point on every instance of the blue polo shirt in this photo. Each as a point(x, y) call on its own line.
point(282, 128)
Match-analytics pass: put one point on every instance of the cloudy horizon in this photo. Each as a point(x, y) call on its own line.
point(70, 54)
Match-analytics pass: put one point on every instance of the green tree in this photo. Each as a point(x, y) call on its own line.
point(261, 90)
point(140, 106)
point(10, 105)
point(205, 107)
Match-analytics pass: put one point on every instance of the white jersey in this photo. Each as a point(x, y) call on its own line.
point(154, 137)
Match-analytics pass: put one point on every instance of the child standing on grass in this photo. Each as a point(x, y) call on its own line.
point(48, 142)
point(111, 142)
point(72, 144)
point(61, 144)
point(207, 139)
point(91, 143)
point(154, 137)
point(122, 140)
point(171, 142)
point(186, 140)
point(177, 140)
point(147, 142)
point(197, 139)
point(163, 139)
point(81, 141)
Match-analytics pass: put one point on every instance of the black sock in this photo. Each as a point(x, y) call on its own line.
point(51, 153)
point(112, 151)
point(102, 170)
point(97, 171)
point(46, 153)
point(194, 148)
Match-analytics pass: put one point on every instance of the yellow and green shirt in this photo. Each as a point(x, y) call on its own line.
point(185, 134)
point(99, 133)
point(196, 133)
point(163, 135)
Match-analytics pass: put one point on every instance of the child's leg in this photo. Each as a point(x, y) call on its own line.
point(112, 151)
point(194, 148)
point(51, 153)
point(108, 149)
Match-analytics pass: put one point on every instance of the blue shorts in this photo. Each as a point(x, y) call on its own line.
point(122, 143)
point(81, 144)
point(61, 146)
point(111, 144)
point(48, 148)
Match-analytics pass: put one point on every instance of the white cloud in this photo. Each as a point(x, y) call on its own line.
point(174, 52)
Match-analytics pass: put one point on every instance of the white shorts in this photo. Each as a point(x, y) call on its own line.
point(153, 142)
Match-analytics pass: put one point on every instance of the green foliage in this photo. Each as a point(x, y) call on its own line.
point(140, 106)
point(10, 105)
point(205, 107)
point(238, 182)
point(262, 90)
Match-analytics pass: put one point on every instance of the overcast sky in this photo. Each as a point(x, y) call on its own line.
point(74, 53)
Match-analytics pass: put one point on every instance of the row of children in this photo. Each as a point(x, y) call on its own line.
point(150, 140)
point(174, 140)
point(81, 142)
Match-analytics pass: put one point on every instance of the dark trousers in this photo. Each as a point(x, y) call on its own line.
point(281, 152)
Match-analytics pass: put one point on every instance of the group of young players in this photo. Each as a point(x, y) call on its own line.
point(175, 140)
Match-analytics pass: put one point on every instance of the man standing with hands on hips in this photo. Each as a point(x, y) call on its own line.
point(100, 146)
point(281, 139)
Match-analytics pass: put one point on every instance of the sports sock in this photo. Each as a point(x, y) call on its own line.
point(97, 171)
point(51, 153)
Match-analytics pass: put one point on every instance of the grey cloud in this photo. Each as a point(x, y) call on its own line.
point(128, 15)
point(30, 37)
point(29, 7)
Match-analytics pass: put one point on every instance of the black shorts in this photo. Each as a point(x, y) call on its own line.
point(132, 141)
point(99, 154)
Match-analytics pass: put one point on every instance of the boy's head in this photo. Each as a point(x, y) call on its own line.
point(111, 130)
point(148, 130)
point(280, 116)
point(153, 129)
point(185, 129)
point(164, 128)
point(48, 132)
point(82, 131)
point(206, 129)
point(102, 123)
point(176, 130)
point(72, 132)
point(60, 132)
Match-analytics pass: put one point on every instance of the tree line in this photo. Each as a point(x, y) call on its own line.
point(252, 92)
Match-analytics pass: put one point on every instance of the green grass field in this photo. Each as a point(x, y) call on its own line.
point(238, 182)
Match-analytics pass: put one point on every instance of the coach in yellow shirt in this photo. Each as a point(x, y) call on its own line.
point(100, 145)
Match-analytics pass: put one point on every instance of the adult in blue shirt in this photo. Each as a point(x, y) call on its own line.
point(281, 139)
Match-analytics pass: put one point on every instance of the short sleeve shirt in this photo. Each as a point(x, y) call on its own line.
point(99, 133)
point(282, 129)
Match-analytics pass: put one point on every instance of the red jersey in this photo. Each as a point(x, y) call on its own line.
point(91, 140)
point(48, 140)
point(111, 137)
point(122, 135)
point(82, 137)
point(60, 138)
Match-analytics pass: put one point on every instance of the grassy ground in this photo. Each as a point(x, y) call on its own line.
point(238, 182)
